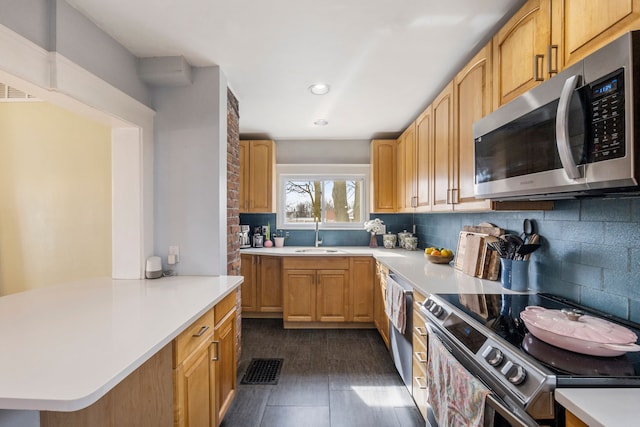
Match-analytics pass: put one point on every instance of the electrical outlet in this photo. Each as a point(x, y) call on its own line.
point(174, 252)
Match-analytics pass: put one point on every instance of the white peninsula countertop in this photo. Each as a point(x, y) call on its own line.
point(64, 347)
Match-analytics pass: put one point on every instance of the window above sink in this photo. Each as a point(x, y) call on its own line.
point(333, 195)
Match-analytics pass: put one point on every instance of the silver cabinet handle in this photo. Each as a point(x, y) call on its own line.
point(217, 356)
point(537, 67)
point(421, 357)
point(201, 331)
point(421, 331)
point(562, 128)
point(552, 49)
point(422, 383)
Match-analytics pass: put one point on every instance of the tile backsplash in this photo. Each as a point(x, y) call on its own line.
point(590, 248)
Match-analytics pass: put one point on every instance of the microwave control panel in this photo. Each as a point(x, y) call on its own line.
point(607, 118)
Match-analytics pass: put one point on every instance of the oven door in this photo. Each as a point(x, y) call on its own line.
point(496, 411)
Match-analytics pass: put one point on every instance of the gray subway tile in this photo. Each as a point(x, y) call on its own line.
point(615, 304)
point(611, 257)
point(605, 210)
point(584, 275)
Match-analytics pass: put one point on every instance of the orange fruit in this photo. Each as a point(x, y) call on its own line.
point(435, 252)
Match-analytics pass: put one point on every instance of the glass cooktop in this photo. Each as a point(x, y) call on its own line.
point(501, 314)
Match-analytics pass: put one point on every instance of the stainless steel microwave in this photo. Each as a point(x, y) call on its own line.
point(573, 135)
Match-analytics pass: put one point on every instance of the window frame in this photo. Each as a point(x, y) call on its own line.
point(307, 172)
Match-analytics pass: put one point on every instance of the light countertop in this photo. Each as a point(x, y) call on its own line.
point(426, 277)
point(64, 347)
point(602, 407)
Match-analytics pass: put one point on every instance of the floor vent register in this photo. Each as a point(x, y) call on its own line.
point(262, 371)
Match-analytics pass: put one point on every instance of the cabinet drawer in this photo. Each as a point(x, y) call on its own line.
point(418, 298)
point(225, 306)
point(197, 334)
point(315, 263)
point(419, 387)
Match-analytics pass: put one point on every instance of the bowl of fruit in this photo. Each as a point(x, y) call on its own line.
point(438, 255)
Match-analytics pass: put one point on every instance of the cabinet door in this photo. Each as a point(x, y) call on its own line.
point(424, 159)
point(406, 170)
point(244, 176)
point(332, 294)
point(383, 175)
point(224, 366)
point(519, 51)
point(270, 285)
point(361, 284)
point(589, 25)
point(472, 93)
point(261, 161)
point(248, 288)
point(443, 184)
point(193, 387)
point(299, 288)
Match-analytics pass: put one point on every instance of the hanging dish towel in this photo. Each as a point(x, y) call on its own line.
point(456, 397)
point(395, 305)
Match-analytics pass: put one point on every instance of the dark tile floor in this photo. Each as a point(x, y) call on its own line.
point(329, 378)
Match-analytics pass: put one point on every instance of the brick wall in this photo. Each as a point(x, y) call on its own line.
point(233, 204)
point(233, 185)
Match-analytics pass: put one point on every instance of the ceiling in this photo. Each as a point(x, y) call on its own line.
point(385, 60)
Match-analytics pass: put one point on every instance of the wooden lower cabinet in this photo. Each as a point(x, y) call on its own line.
point(205, 379)
point(328, 290)
point(315, 295)
point(193, 390)
point(573, 421)
point(361, 281)
point(419, 386)
point(262, 286)
point(224, 364)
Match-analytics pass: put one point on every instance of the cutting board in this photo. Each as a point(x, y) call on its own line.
point(472, 255)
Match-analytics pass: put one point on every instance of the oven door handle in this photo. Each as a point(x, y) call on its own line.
point(520, 419)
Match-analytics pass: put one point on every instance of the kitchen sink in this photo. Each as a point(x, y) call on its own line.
point(318, 250)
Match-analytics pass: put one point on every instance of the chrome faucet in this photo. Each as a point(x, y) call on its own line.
point(318, 241)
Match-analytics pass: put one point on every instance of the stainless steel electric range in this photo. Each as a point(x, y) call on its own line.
point(486, 335)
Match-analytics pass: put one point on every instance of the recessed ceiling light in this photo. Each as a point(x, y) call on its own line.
point(321, 122)
point(319, 88)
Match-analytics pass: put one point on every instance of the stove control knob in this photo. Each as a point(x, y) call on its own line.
point(436, 310)
point(516, 375)
point(428, 303)
point(494, 357)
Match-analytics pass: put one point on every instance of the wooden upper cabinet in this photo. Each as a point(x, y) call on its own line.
point(383, 175)
point(406, 181)
point(520, 51)
point(443, 181)
point(424, 159)
point(472, 101)
point(587, 25)
point(257, 169)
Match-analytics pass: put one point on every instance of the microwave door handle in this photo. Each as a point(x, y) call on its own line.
point(562, 128)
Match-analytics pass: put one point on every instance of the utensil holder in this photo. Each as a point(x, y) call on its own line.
point(279, 241)
point(514, 274)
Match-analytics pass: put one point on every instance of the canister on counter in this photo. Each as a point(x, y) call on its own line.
point(411, 243)
point(402, 236)
point(389, 241)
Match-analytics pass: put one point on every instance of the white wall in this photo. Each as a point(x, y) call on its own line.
point(191, 172)
point(322, 152)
